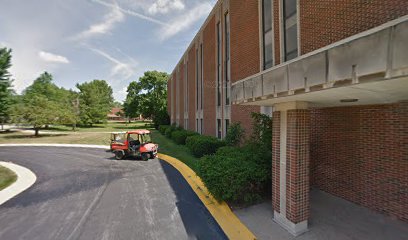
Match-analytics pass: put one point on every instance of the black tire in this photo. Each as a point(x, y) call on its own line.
point(152, 156)
point(145, 156)
point(119, 155)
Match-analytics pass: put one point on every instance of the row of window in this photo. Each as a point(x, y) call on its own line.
point(289, 31)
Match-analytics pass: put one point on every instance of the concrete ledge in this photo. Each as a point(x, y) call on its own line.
point(228, 221)
point(295, 229)
point(25, 179)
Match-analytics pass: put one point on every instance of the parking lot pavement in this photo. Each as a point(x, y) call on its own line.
point(85, 194)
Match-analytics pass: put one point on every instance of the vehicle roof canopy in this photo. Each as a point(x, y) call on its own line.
point(139, 131)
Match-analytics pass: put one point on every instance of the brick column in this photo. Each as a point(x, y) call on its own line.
point(290, 166)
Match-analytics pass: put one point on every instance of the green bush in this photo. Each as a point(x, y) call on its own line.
point(168, 132)
point(161, 117)
point(232, 178)
point(163, 128)
point(201, 145)
point(235, 135)
point(180, 136)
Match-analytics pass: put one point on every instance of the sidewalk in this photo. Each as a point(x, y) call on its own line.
point(331, 218)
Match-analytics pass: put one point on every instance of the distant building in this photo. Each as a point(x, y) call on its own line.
point(116, 114)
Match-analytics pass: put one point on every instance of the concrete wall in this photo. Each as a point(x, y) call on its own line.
point(360, 154)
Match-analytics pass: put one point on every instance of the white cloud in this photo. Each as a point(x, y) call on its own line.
point(185, 21)
point(130, 12)
point(110, 20)
point(119, 69)
point(52, 58)
point(164, 6)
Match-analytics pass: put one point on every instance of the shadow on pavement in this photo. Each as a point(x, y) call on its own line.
point(197, 221)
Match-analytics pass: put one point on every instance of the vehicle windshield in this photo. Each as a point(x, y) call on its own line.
point(146, 138)
point(118, 137)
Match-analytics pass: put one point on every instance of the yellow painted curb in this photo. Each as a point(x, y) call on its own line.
point(228, 221)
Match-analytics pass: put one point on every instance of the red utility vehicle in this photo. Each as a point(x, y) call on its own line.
point(137, 143)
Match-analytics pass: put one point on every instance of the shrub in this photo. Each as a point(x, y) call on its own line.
point(180, 136)
point(203, 145)
point(262, 129)
point(235, 134)
point(168, 132)
point(233, 179)
point(163, 128)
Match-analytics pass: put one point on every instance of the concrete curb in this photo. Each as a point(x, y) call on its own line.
point(25, 179)
point(55, 145)
point(228, 221)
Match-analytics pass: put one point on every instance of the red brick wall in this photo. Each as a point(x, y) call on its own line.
point(360, 154)
point(191, 89)
point(323, 22)
point(276, 161)
point(209, 68)
point(245, 61)
point(297, 165)
point(173, 107)
point(181, 94)
point(169, 97)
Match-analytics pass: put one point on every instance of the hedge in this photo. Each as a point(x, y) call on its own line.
point(201, 145)
point(163, 128)
point(233, 178)
point(180, 136)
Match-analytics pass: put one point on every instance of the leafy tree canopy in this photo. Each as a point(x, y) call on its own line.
point(6, 91)
point(148, 96)
point(96, 101)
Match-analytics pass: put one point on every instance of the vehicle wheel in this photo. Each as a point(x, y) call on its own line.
point(145, 156)
point(152, 156)
point(119, 155)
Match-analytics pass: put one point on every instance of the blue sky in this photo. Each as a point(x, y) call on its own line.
point(82, 40)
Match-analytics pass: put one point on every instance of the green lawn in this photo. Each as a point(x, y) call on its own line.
point(99, 134)
point(7, 177)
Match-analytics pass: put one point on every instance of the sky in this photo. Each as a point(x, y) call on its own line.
point(81, 40)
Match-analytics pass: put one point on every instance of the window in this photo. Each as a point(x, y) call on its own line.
point(290, 34)
point(227, 123)
point(196, 124)
point(267, 34)
point(219, 128)
point(201, 126)
point(227, 59)
point(219, 67)
point(202, 76)
point(197, 74)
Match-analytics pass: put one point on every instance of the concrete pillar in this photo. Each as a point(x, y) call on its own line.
point(290, 166)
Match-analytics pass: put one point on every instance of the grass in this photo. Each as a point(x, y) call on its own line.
point(181, 152)
point(7, 177)
point(99, 135)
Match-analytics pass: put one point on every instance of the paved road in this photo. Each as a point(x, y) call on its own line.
point(84, 194)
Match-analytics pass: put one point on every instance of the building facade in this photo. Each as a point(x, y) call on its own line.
point(335, 76)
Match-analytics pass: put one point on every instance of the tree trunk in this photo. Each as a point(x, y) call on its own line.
point(74, 127)
point(36, 132)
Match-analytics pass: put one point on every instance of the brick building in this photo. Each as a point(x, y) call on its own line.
point(335, 76)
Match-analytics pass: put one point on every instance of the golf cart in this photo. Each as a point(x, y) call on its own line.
point(137, 143)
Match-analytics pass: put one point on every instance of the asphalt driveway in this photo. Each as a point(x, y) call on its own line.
point(84, 194)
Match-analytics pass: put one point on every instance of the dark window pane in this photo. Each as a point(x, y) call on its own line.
point(290, 8)
point(268, 57)
point(291, 40)
point(267, 15)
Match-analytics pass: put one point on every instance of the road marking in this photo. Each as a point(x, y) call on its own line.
point(228, 221)
point(25, 179)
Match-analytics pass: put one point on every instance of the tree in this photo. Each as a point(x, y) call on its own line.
point(96, 101)
point(6, 91)
point(148, 97)
point(44, 103)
